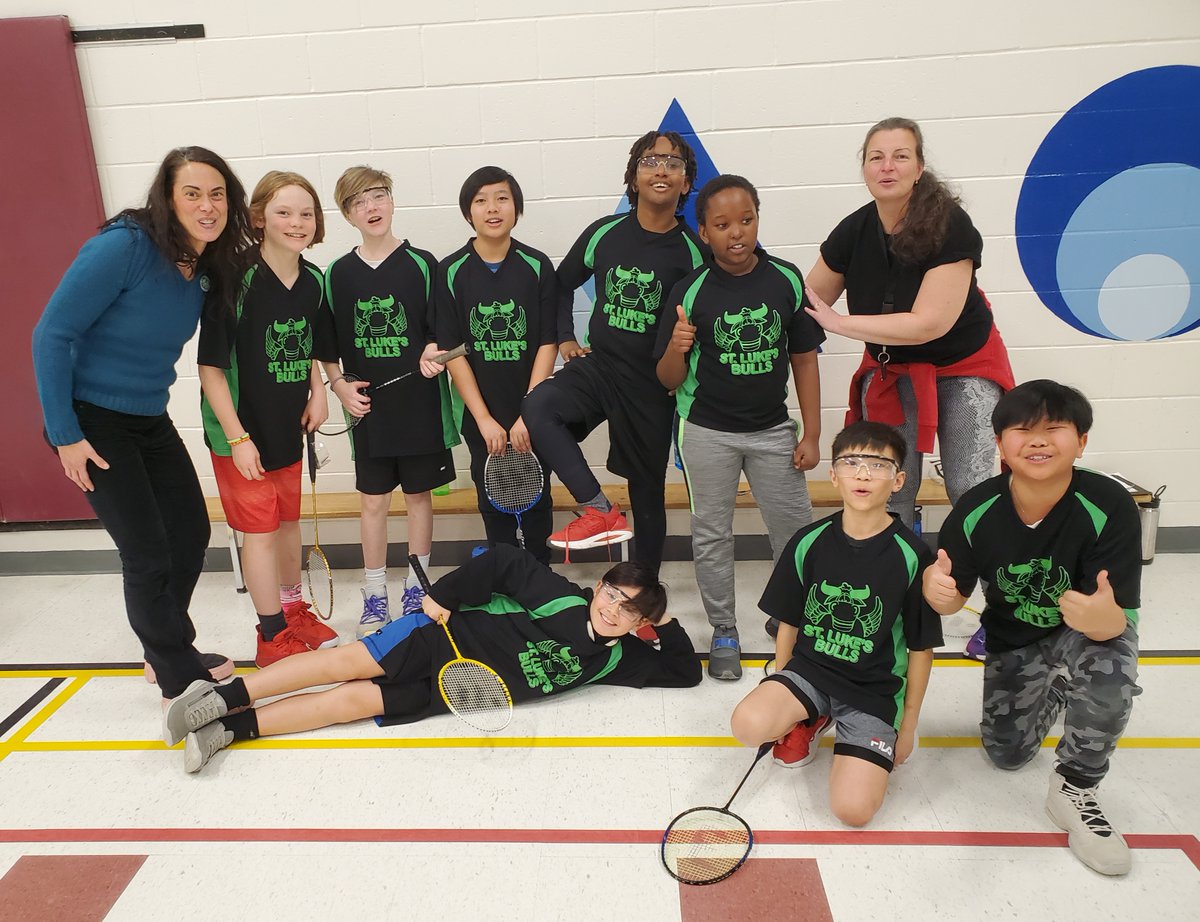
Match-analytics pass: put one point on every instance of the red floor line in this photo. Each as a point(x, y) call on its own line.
point(1188, 844)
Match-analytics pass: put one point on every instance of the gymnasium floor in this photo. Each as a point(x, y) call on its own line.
point(559, 816)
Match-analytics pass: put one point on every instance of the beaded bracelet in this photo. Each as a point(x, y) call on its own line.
point(244, 437)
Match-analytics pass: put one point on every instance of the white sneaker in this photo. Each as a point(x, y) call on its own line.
point(1091, 836)
point(201, 745)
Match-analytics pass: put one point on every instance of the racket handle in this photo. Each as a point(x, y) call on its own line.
point(311, 441)
point(456, 353)
point(415, 562)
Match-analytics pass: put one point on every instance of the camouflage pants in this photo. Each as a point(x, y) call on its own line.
point(1025, 690)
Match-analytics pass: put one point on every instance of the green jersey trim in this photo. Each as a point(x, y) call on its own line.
point(900, 669)
point(685, 396)
point(971, 520)
point(797, 284)
point(424, 267)
point(803, 546)
point(697, 256)
point(219, 445)
point(1099, 519)
point(589, 254)
point(614, 658)
point(910, 558)
point(534, 264)
point(453, 271)
point(1132, 615)
point(554, 606)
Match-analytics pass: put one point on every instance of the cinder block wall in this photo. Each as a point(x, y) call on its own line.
point(780, 92)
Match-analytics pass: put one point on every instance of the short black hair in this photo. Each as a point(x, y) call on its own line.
point(488, 176)
point(642, 146)
point(720, 184)
point(878, 437)
point(651, 597)
point(1042, 400)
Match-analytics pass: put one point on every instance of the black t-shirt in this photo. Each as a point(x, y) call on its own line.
point(858, 249)
point(504, 317)
point(1094, 527)
point(379, 322)
point(266, 350)
point(859, 609)
point(746, 327)
point(634, 270)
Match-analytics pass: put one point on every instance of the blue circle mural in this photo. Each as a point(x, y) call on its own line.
point(1108, 220)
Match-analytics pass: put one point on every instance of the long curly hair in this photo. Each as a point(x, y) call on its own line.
point(922, 230)
point(223, 260)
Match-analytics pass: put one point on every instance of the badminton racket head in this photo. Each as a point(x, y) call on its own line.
point(705, 845)
point(320, 582)
point(513, 480)
point(476, 694)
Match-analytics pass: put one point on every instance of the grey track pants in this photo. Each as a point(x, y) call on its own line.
point(713, 463)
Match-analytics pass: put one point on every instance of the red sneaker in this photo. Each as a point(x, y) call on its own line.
point(305, 625)
point(285, 643)
point(593, 529)
point(800, 745)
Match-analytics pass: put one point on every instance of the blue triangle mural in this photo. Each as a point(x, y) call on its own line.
point(676, 120)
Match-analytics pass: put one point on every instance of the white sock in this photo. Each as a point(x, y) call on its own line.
point(375, 581)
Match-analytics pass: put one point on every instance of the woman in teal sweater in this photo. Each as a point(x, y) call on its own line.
point(104, 356)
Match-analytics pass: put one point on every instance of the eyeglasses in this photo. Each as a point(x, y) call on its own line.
point(668, 162)
point(376, 195)
point(877, 466)
point(612, 597)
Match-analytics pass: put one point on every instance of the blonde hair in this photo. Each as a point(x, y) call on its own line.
point(267, 189)
point(356, 180)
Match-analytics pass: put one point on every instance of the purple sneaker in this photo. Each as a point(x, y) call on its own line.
point(976, 647)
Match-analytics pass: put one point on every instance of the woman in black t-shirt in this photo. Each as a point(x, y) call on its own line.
point(934, 362)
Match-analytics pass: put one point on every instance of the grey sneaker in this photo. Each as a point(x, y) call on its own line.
point(203, 744)
point(1091, 836)
point(374, 614)
point(180, 714)
point(725, 654)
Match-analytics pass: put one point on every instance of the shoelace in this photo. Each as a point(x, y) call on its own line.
point(1084, 800)
point(374, 610)
point(205, 711)
point(411, 600)
point(214, 742)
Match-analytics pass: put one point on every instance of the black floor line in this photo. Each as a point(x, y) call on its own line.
point(30, 703)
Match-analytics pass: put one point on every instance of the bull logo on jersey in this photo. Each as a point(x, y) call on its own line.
point(631, 298)
point(546, 664)
point(499, 331)
point(846, 607)
point(289, 347)
point(379, 325)
point(1034, 588)
point(748, 339)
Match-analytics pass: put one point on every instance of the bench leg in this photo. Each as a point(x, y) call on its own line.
point(239, 581)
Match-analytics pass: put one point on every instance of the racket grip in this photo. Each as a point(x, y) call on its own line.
point(456, 353)
point(311, 442)
point(422, 577)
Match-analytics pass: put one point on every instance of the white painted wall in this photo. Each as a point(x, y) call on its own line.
point(780, 92)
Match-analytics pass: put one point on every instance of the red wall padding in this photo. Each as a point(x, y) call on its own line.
point(50, 203)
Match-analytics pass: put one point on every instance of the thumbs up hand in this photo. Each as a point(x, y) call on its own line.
point(939, 588)
point(1096, 616)
point(683, 337)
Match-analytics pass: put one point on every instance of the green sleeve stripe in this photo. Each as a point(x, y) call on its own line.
point(899, 669)
point(1132, 615)
point(697, 256)
point(554, 606)
point(805, 543)
point(589, 254)
point(534, 264)
point(797, 284)
point(453, 271)
point(685, 394)
point(910, 558)
point(424, 266)
point(614, 658)
point(1099, 519)
point(972, 518)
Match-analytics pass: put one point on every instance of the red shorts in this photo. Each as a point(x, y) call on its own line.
point(257, 507)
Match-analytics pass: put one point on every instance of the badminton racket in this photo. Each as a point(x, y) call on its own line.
point(705, 845)
point(316, 571)
point(351, 421)
point(513, 483)
point(473, 691)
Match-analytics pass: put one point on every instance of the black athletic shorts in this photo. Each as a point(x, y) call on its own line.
point(412, 473)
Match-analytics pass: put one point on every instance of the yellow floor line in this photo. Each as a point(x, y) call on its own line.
point(17, 740)
point(535, 742)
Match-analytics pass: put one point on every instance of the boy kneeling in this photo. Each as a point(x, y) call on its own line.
point(855, 636)
point(1060, 550)
point(542, 633)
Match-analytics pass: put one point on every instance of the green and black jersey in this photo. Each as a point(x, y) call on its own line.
point(533, 627)
point(266, 349)
point(1094, 527)
point(859, 610)
point(379, 322)
point(504, 317)
point(634, 271)
point(746, 328)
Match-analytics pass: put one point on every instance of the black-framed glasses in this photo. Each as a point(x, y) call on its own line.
point(877, 466)
point(668, 162)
